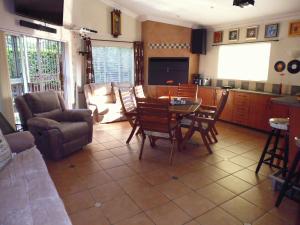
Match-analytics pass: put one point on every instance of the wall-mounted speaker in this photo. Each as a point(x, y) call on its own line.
point(198, 42)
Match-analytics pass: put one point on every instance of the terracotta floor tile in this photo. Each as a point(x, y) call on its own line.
point(269, 219)
point(129, 157)
point(194, 204)
point(70, 186)
point(110, 163)
point(239, 148)
point(264, 169)
point(225, 154)
point(242, 161)
point(214, 173)
point(253, 155)
point(228, 167)
point(234, 184)
point(212, 159)
point(113, 144)
point(168, 214)
point(156, 177)
point(195, 180)
point(133, 184)
point(120, 172)
point(119, 209)
point(250, 176)
point(243, 210)
point(95, 179)
point(107, 192)
point(218, 216)
point(91, 216)
point(80, 157)
point(194, 222)
point(148, 198)
point(91, 148)
point(102, 155)
point(87, 168)
point(143, 166)
point(78, 201)
point(216, 193)
point(289, 211)
point(140, 219)
point(173, 189)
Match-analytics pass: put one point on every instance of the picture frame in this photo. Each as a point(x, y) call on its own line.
point(272, 30)
point(233, 34)
point(218, 37)
point(116, 23)
point(252, 33)
point(294, 29)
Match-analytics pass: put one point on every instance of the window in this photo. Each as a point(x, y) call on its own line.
point(113, 64)
point(244, 61)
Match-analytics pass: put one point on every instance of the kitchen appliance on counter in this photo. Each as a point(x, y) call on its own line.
point(200, 80)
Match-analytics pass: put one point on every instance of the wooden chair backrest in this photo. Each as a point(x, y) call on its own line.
point(154, 115)
point(187, 90)
point(139, 91)
point(127, 101)
point(222, 103)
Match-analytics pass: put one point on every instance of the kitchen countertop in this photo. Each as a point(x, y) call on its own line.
point(287, 100)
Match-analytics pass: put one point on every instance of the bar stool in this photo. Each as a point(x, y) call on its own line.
point(278, 125)
point(293, 176)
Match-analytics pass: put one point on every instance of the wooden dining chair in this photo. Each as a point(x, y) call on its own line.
point(129, 110)
point(187, 91)
point(139, 91)
point(205, 124)
point(156, 122)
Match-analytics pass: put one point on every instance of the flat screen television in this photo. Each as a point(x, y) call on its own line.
point(48, 11)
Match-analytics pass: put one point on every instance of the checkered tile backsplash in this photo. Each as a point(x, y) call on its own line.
point(169, 45)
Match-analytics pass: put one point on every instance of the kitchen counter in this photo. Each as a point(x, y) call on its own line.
point(287, 100)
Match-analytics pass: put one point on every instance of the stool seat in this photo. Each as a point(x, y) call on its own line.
point(279, 123)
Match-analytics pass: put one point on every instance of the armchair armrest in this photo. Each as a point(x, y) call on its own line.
point(20, 141)
point(77, 115)
point(42, 123)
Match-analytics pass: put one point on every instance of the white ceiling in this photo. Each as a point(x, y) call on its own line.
point(208, 12)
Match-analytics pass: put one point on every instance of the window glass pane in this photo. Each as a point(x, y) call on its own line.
point(113, 64)
point(244, 61)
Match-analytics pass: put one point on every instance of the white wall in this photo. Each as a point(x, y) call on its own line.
point(286, 49)
point(92, 14)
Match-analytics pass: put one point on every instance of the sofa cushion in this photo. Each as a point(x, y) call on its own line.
point(55, 114)
point(40, 102)
point(73, 130)
point(28, 195)
point(5, 152)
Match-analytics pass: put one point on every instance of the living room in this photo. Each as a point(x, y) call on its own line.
point(138, 112)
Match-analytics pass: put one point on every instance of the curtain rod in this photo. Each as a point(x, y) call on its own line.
point(247, 42)
point(93, 39)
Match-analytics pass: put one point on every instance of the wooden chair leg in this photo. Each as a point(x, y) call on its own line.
point(209, 138)
point(215, 130)
point(139, 131)
point(152, 142)
point(213, 136)
point(262, 157)
point(131, 133)
point(172, 151)
point(142, 147)
point(206, 142)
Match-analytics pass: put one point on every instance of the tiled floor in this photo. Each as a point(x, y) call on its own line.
point(107, 184)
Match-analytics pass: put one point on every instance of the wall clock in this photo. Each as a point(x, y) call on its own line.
point(294, 66)
point(116, 23)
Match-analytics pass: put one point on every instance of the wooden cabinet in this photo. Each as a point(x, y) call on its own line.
point(294, 114)
point(241, 108)
point(207, 95)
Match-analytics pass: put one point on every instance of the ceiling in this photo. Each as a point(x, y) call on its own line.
point(208, 12)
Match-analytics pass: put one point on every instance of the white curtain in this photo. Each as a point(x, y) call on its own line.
point(6, 102)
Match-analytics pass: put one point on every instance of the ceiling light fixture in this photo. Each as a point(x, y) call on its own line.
point(242, 3)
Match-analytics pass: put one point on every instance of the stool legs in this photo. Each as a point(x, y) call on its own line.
point(287, 183)
point(261, 160)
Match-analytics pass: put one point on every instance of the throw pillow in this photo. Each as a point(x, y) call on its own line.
point(5, 152)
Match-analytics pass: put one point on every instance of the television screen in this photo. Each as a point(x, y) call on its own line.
point(48, 11)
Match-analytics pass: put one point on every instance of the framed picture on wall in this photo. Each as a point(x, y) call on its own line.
point(218, 36)
point(233, 35)
point(272, 30)
point(294, 29)
point(252, 33)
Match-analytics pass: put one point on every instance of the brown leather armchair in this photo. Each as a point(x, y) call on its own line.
point(58, 132)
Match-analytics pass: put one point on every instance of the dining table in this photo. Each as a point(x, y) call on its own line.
point(182, 109)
